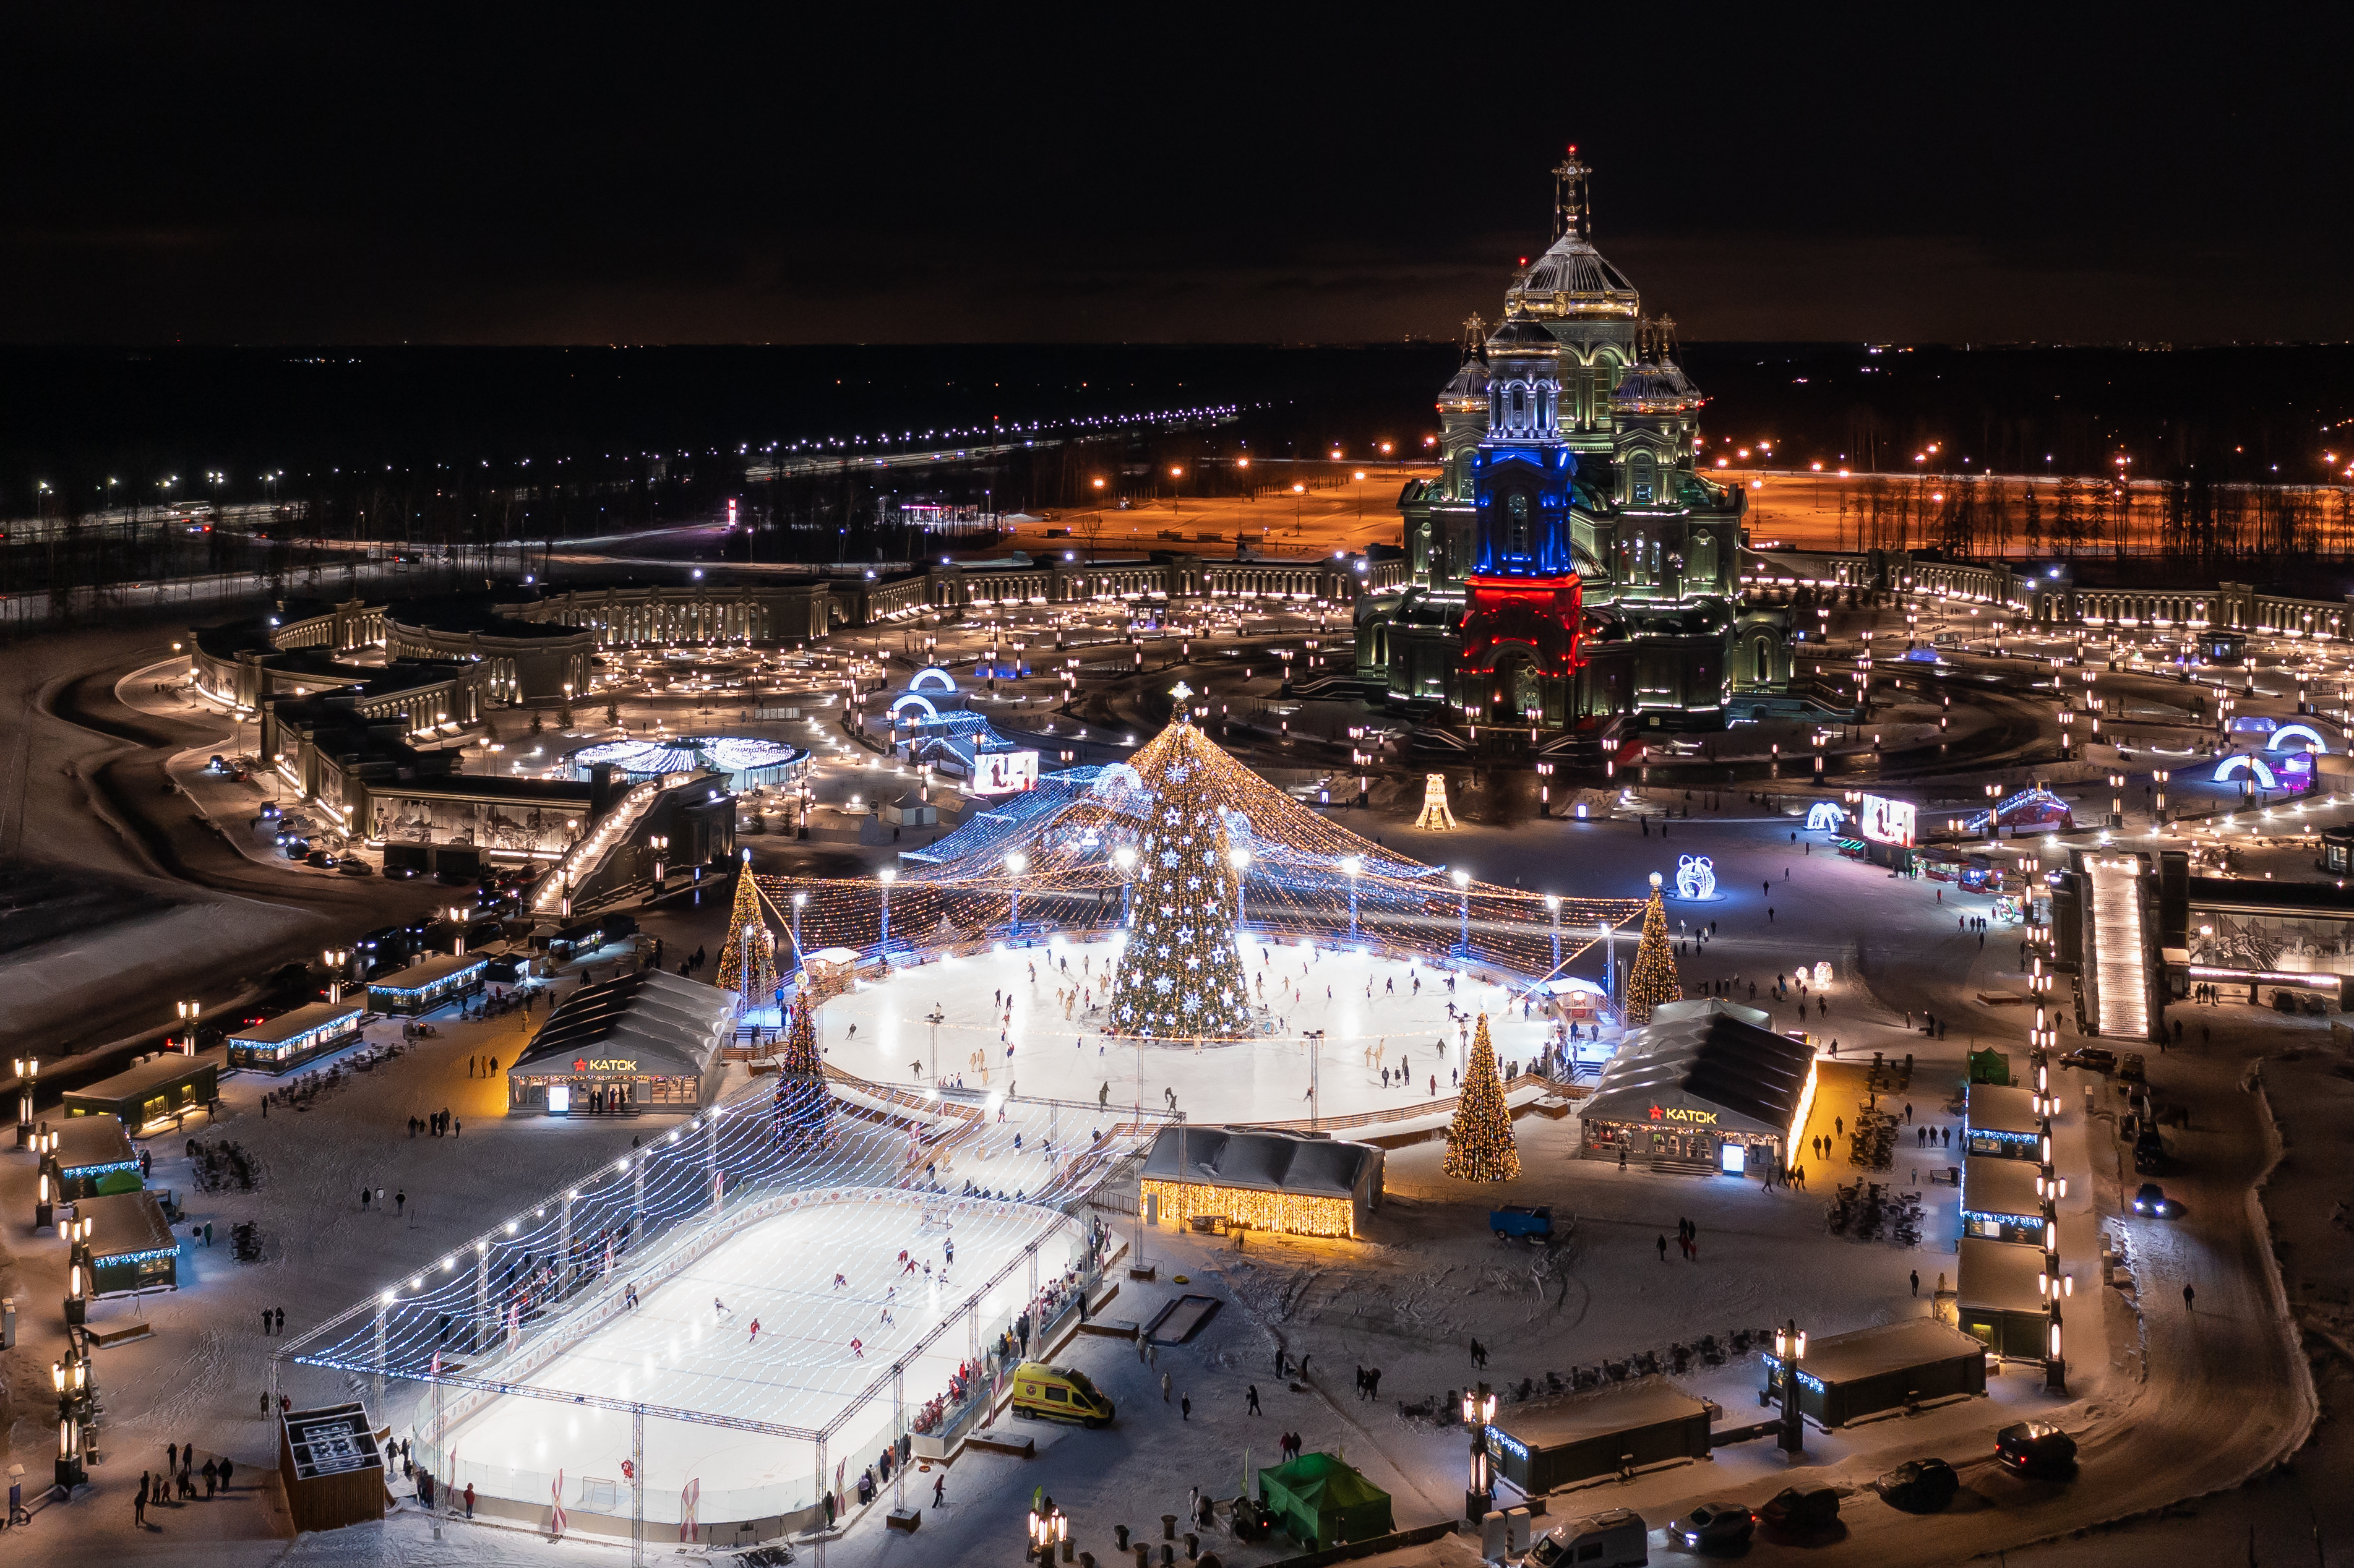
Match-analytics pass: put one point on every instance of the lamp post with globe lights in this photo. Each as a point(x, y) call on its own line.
point(28, 1074)
point(188, 1012)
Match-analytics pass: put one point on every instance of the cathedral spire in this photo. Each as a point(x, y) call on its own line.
point(1475, 334)
point(1570, 212)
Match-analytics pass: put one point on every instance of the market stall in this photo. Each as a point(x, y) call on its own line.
point(2000, 1295)
point(1266, 1181)
point(1545, 1444)
point(436, 982)
point(2001, 1122)
point(281, 1044)
point(130, 1247)
point(161, 1089)
point(93, 1156)
point(1321, 1501)
point(2000, 1201)
point(1846, 1377)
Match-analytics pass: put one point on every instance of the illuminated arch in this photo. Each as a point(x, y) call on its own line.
point(2238, 763)
point(2304, 730)
point(948, 682)
point(914, 700)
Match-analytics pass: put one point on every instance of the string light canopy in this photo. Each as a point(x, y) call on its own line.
point(1297, 882)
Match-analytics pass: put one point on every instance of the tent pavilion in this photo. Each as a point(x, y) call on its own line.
point(1320, 1500)
point(1705, 1086)
point(641, 1042)
point(1288, 1181)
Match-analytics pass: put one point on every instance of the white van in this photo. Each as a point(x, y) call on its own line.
point(1617, 1538)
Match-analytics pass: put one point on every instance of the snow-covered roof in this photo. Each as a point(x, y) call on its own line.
point(1265, 1161)
point(125, 1222)
point(662, 1024)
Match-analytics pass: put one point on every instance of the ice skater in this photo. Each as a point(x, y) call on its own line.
point(755, 1330)
point(721, 1310)
point(858, 1349)
point(840, 1283)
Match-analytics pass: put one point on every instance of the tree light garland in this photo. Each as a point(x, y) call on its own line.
point(1652, 980)
point(1480, 1142)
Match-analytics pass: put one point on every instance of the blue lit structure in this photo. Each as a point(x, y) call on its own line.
point(93, 1156)
point(281, 1044)
point(130, 1245)
point(2001, 1121)
point(421, 987)
point(2000, 1201)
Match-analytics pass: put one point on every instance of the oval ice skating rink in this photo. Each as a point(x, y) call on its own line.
point(1053, 1047)
point(679, 1349)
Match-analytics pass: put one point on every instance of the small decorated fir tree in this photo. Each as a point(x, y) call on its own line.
point(801, 1098)
point(1652, 980)
point(1480, 1144)
point(1181, 975)
point(747, 959)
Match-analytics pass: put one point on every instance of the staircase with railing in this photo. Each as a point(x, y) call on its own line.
point(2120, 949)
point(581, 874)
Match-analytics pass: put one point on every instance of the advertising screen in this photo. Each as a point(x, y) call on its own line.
point(1886, 822)
point(1005, 772)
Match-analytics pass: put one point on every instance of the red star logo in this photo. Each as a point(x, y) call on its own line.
point(1655, 1113)
point(580, 1065)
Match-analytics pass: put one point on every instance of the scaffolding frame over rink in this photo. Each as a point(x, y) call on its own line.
point(589, 1365)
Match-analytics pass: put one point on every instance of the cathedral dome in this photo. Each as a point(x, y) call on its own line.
point(1660, 388)
point(1470, 384)
point(1522, 338)
point(1572, 279)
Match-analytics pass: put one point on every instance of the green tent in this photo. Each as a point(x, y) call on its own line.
point(1989, 1066)
point(1320, 1502)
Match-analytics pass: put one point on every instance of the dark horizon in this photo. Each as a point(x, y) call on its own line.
point(305, 177)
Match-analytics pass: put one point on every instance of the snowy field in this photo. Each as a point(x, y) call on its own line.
point(1021, 1018)
point(820, 1346)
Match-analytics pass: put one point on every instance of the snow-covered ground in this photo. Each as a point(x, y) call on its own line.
point(822, 1352)
point(1021, 1018)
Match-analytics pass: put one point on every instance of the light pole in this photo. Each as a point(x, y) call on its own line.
point(333, 960)
point(1479, 1488)
point(1994, 813)
point(188, 1012)
point(1789, 1349)
point(2159, 777)
point(1462, 880)
point(659, 845)
point(1609, 935)
point(801, 902)
point(1315, 1038)
point(1240, 860)
point(887, 876)
point(2116, 800)
point(28, 1074)
point(935, 1018)
point(459, 914)
point(1015, 864)
point(1553, 907)
point(1354, 865)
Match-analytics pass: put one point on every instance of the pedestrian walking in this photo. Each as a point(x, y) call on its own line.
point(1184, 1407)
point(1663, 1249)
point(941, 1489)
point(1164, 1388)
point(470, 1499)
point(138, 1504)
point(2189, 1296)
point(1253, 1396)
point(1916, 1282)
point(281, 1319)
point(400, 1201)
point(265, 1329)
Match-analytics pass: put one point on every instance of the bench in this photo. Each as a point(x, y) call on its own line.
point(1116, 1327)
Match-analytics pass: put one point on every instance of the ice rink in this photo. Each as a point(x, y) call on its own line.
point(1003, 1029)
point(690, 1345)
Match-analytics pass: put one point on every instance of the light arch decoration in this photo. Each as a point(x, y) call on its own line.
point(2240, 762)
point(907, 700)
point(1695, 876)
point(2296, 731)
point(932, 672)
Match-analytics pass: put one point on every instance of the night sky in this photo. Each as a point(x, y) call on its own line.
point(342, 174)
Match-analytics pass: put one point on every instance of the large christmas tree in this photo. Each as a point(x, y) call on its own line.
point(1653, 981)
point(747, 959)
point(1181, 976)
point(801, 1098)
point(1479, 1145)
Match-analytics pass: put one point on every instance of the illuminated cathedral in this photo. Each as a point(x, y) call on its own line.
point(1570, 568)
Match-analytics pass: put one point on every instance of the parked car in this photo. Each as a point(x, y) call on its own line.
point(354, 866)
point(1616, 1539)
point(2036, 1448)
point(321, 859)
point(1919, 1486)
point(1797, 1512)
point(1711, 1525)
point(2151, 1199)
point(2092, 1058)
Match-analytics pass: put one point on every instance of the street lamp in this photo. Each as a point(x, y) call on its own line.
point(1789, 1349)
point(459, 914)
point(887, 876)
point(659, 845)
point(335, 959)
point(1553, 907)
point(1240, 860)
point(28, 1074)
point(2116, 799)
point(1478, 1488)
point(1462, 880)
point(1015, 864)
point(935, 1018)
point(1354, 867)
point(801, 902)
point(2159, 777)
point(188, 1012)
